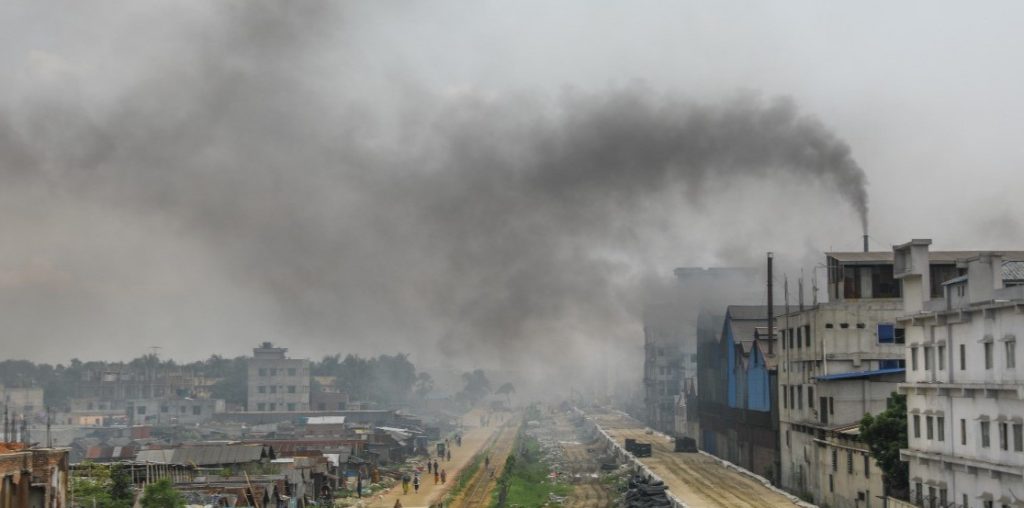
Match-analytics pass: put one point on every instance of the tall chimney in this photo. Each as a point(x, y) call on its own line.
point(865, 243)
point(770, 255)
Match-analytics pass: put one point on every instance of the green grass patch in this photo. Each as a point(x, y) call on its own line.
point(525, 477)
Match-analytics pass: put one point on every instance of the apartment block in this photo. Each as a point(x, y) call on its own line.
point(277, 383)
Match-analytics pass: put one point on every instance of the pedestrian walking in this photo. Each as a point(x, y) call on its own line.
point(398, 503)
point(444, 476)
point(487, 461)
point(405, 483)
point(435, 466)
point(416, 484)
point(449, 455)
point(359, 487)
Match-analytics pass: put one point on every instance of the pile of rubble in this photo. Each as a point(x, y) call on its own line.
point(645, 493)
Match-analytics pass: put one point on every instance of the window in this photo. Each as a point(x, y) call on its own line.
point(261, 407)
point(835, 459)
point(849, 462)
point(291, 406)
point(988, 355)
point(1011, 351)
point(913, 358)
point(1018, 437)
point(927, 358)
point(963, 431)
point(164, 409)
point(140, 410)
point(861, 325)
point(829, 325)
point(844, 325)
point(787, 438)
point(1004, 436)
point(810, 397)
point(273, 406)
point(917, 425)
point(291, 371)
point(941, 357)
point(901, 336)
point(792, 398)
point(197, 410)
point(263, 372)
point(963, 357)
point(273, 372)
point(919, 493)
point(985, 442)
point(867, 466)
point(831, 405)
point(291, 388)
point(182, 410)
point(800, 397)
point(785, 397)
point(261, 389)
point(988, 504)
point(807, 335)
point(831, 484)
point(928, 428)
point(273, 388)
point(886, 334)
point(940, 427)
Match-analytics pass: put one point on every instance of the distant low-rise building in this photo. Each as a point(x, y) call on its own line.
point(27, 402)
point(277, 383)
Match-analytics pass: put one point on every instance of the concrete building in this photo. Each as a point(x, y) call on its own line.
point(27, 402)
point(32, 477)
point(964, 391)
point(837, 361)
point(172, 411)
point(671, 337)
point(277, 383)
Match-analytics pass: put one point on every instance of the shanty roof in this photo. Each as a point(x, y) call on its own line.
point(934, 257)
point(861, 374)
point(204, 455)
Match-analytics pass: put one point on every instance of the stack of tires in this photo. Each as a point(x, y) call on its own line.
point(645, 493)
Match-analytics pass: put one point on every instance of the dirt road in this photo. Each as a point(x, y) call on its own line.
point(474, 439)
point(698, 480)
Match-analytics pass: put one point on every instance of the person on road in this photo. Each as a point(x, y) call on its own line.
point(435, 466)
point(437, 477)
point(398, 503)
point(444, 476)
point(405, 483)
point(487, 461)
point(449, 455)
point(416, 484)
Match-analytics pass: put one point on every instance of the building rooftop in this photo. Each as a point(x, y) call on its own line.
point(935, 257)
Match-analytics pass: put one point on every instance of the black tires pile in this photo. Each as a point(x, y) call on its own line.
point(645, 493)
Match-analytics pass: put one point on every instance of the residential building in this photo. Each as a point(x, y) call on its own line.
point(277, 383)
point(738, 410)
point(963, 387)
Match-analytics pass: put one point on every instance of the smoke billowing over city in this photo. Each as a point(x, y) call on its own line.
point(645, 216)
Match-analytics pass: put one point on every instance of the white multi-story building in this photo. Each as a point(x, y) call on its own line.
point(275, 382)
point(965, 393)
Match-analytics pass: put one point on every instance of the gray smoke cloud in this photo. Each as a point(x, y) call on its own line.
point(460, 224)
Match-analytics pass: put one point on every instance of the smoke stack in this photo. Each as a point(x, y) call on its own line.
point(770, 255)
point(865, 243)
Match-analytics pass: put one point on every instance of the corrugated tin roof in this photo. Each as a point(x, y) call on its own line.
point(1013, 270)
point(204, 455)
point(861, 374)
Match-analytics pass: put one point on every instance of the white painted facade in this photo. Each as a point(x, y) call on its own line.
point(277, 383)
point(965, 393)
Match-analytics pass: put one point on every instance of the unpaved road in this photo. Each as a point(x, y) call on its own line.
point(696, 479)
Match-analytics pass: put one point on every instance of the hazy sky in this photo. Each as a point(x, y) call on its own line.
point(445, 178)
